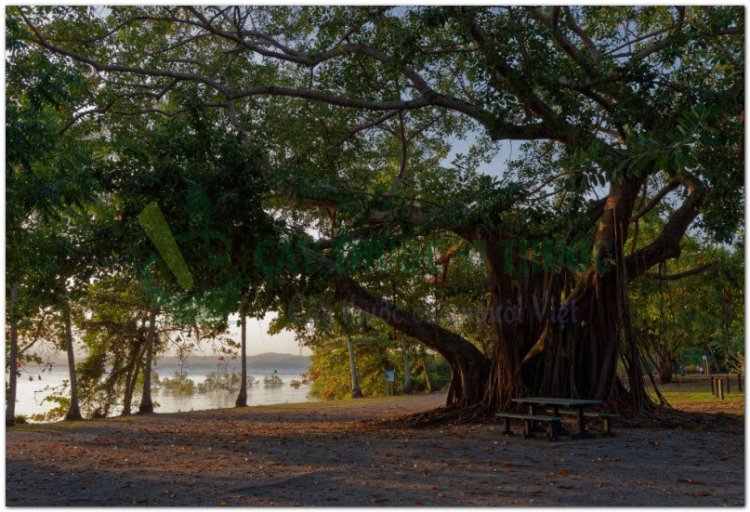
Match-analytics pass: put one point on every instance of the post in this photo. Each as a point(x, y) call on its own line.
point(721, 389)
point(390, 377)
point(739, 383)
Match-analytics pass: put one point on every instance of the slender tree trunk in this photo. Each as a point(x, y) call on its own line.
point(134, 368)
point(147, 406)
point(426, 368)
point(356, 390)
point(10, 409)
point(242, 397)
point(127, 399)
point(407, 367)
point(74, 412)
point(666, 371)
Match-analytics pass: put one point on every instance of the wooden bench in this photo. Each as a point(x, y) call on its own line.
point(528, 423)
point(606, 417)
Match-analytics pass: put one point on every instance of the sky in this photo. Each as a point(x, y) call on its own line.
point(259, 341)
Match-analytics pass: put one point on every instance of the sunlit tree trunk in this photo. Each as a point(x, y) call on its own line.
point(356, 390)
point(10, 409)
point(74, 412)
point(426, 369)
point(242, 397)
point(147, 405)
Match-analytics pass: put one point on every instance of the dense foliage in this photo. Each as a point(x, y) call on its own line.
point(313, 160)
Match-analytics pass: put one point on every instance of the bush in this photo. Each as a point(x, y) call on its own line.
point(179, 384)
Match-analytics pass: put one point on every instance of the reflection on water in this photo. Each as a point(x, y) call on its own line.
point(34, 384)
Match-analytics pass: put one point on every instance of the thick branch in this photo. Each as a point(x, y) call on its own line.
point(680, 275)
point(667, 244)
point(673, 184)
point(452, 346)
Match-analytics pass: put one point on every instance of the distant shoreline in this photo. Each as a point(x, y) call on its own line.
point(263, 360)
point(266, 359)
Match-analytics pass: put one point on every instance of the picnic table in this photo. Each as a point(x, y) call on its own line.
point(573, 404)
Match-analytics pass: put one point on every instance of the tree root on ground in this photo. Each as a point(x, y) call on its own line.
point(648, 416)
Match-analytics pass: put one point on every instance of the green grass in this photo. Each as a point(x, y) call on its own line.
point(698, 392)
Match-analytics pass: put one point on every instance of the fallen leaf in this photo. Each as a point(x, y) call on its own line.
point(689, 481)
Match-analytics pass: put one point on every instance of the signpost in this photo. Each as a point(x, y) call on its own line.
point(390, 378)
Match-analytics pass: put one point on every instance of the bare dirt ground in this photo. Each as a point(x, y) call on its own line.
point(333, 454)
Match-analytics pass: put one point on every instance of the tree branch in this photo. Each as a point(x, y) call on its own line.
point(675, 277)
point(667, 244)
point(449, 344)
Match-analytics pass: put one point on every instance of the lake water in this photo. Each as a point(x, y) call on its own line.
point(35, 383)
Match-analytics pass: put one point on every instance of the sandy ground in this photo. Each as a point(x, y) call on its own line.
point(331, 454)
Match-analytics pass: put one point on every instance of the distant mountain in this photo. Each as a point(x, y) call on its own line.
point(266, 360)
point(280, 360)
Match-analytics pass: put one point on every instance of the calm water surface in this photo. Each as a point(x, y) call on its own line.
point(35, 383)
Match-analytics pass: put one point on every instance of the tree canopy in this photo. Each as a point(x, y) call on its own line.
point(307, 155)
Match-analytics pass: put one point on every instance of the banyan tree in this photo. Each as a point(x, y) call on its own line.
point(513, 136)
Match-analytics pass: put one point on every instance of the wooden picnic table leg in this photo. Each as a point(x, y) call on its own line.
point(555, 427)
point(535, 426)
point(507, 431)
point(582, 432)
point(561, 430)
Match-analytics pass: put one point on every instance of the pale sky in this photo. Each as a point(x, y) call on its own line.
point(259, 341)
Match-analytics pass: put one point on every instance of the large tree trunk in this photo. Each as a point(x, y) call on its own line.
point(407, 366)
point(147, 405)
point(10, 408)
point(553, 347)
point(74, 412)
point(356, 389)
point(469, 367)
point(558, 333)
point(242, 396)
